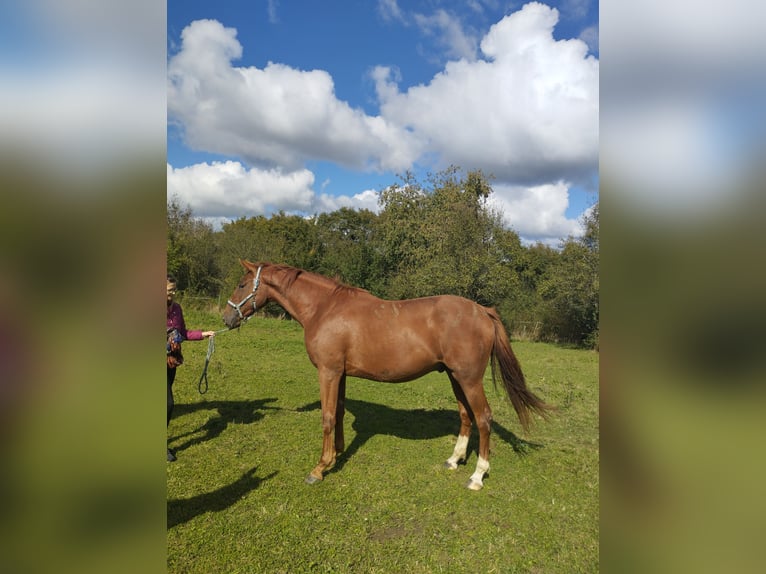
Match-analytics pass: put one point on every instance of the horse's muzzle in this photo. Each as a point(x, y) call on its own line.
point(231, 319)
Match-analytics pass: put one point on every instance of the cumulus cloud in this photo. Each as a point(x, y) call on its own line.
point(528, 113)
point(367, 199)
point(276, 115)
point(222, 191)
point(537, 213)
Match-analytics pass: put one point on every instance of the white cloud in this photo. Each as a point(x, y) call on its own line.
point(527, 114)
point(228, 189)
point(450, 33)
point(537, 213)
point(367, 199)
point(276, 115)
point(590, 36)
point(389, 10)
point(272, 6)
point(222, 191)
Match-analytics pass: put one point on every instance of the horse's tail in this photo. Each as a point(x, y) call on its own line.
point(523, 400)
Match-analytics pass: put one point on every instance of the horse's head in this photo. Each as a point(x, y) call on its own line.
point(246, 298)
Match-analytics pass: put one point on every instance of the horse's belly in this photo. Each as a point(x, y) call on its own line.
point(393, 366)
point(389, 376)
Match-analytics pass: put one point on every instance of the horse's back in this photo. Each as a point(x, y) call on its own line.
point(441, 312)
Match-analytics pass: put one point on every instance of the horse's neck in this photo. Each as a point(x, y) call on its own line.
point(302, 299)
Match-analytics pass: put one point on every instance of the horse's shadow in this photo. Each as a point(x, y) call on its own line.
point(239, 412)
point(371, 419)
point(182, 510)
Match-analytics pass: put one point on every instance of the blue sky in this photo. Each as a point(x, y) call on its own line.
point(311, 106)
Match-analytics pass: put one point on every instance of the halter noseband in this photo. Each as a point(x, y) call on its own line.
point(237, 307)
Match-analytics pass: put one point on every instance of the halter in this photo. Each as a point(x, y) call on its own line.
point(237, 307)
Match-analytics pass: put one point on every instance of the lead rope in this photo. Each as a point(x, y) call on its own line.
point(202, 385)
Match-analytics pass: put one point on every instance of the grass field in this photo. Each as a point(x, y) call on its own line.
point(237, 502)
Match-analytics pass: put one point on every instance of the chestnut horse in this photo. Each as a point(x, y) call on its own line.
point(349, 331)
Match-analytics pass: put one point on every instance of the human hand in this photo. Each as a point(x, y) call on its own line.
point(208, 333)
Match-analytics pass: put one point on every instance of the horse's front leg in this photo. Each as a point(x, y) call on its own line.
point(329, 383)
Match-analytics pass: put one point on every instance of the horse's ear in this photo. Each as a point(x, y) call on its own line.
point(246, 264)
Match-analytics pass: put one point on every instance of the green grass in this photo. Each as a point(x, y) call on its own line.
point(237, 501)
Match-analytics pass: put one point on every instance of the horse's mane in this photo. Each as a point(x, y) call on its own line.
point(342, 288)
point(292, 273)
point(347, 289)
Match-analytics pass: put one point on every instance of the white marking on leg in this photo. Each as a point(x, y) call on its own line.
point(476, 482)
point(461, 447)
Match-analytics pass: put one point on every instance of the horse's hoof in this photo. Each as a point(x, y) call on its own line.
point(472, 485)
point(311, 479)
point(449, 465)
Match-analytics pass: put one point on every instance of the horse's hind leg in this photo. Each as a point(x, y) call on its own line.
point(477, 401)
point(461, 446)
point(473, 407)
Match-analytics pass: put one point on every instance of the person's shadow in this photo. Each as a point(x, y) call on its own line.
point(372, 419)
point(182, 510)
point(239, 412)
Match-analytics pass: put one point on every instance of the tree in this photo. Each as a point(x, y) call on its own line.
point(288, 239)
point(399, 239)
point(244, 238)
point(445, 239)
point(346, 239)
point(570, 291)
point(292, 240)
point(191, 251)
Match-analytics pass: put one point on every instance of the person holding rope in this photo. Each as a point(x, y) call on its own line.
point(176, 333)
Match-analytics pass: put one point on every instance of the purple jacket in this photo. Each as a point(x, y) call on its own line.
point(176, 321)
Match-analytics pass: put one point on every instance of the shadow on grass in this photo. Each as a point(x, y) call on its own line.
point(239, 412)
point(184, 509)
point(520, 446)
point(371, 419)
